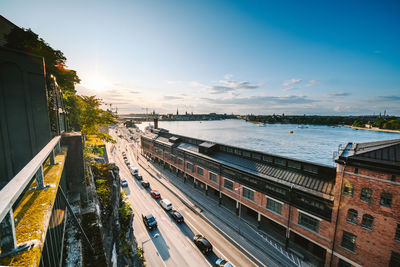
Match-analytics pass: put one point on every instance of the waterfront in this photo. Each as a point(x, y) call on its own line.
point(316, 143)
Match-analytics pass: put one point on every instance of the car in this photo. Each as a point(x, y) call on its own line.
point(139, 177)
point(202, 243)
point(155, 194)
point(145, 184)
point(166, 204)
point(124, 183)
point(149, 221)
point(177, 216)
point(223, 263)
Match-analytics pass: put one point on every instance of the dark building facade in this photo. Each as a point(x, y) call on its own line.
point(295, 202)
point(24, 120)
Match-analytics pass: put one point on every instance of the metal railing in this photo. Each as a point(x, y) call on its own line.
point(10, 194)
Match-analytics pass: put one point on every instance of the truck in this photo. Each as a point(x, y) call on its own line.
point(134, 170)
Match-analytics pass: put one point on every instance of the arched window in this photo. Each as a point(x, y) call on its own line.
point(352, 216)
point(367, 221)
point(366, 194)
point(348, 189)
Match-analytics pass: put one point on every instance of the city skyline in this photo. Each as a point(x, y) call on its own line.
point(330, 58)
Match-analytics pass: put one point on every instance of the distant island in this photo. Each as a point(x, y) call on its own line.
point(372, 122)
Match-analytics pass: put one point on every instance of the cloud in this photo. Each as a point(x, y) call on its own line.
point(231, 86)
point(335, 94)
point(291, 81)
point(172, 97)
point(289, 88)
point(311, 83)
point(228, 76)
point(261, 100)
point(392, 98)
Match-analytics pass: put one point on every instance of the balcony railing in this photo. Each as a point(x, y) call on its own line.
point(17, 191)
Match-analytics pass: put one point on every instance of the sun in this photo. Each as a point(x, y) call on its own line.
point(96, 82)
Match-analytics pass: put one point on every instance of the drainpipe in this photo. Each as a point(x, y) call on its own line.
point(289, 217)
point(220, 185)
point(337, 215)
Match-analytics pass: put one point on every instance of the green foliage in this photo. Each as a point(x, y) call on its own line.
point(140, 253)
point(90, 151)
point(125, 214)
point(358, 123)
point(92, 118)
point(28, 41)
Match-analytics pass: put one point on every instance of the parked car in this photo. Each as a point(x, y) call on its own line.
point(124, 183)
point(145, 184)
point(202, 243)
point(139, 177)
point(223, 263)
point(155, 194)
point(149, 221)
point(177, 216)
point(166, 204)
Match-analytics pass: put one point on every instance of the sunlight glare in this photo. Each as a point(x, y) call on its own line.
point(97, 83)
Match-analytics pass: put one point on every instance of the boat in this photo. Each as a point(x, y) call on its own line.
point(290, 131)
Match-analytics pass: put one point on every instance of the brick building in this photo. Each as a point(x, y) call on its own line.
point(294, 202)
point(368, 228)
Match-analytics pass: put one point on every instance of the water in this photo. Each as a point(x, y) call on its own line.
point(315, 143)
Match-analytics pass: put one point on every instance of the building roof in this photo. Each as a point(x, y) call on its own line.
point(315, 184)
point(385, 154)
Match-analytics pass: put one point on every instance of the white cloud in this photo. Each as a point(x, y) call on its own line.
point(291, 81)
point(311, 83)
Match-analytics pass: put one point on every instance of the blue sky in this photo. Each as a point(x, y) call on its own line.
point(260, 57)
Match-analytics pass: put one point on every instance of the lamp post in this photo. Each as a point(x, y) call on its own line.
point(240, 204)
point(151, 238)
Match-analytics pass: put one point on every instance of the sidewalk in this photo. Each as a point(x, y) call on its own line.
point(266, 251)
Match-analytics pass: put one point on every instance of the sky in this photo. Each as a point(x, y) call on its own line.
point(261, 57)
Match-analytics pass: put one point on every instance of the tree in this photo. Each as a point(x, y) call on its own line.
point(93, 118)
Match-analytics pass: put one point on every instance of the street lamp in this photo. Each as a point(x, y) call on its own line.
point(240, 204)
point(151, 238)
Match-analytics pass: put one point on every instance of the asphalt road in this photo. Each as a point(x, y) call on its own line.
point(171, 244)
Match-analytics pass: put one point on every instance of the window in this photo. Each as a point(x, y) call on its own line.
point(348, 189)
point(308, 222)
point(247, 193)
point(294, 165)
point(343, 263)
point(386, 200)
point(311, 169)
point(256, 156)
point(281, 162)
point(397, 234)
point(355, 170)
point(237, 152)
point(189, 166)
point(200, 171)
point(180, 162)
point(228, 184)
point(274, 206)
point(393, 178)
point(394, 260)
point(246, 154)
point(352, 216)
point(166, 155)
point(349, 240)
point(367, 221)
point(267, 158)
point(366, 194)
point(213, 177)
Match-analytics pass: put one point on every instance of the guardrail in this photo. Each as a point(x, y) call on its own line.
point(13, 190)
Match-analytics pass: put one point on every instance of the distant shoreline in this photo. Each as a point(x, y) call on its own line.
point(374, 129)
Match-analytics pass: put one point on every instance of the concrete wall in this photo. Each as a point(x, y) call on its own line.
point(24, 121)
point(75, 172)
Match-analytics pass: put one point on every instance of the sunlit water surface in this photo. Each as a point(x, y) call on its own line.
point(314, 143)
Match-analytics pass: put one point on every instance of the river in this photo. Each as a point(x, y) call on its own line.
point(315, 143)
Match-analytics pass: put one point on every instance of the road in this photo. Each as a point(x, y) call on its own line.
point(171, 244)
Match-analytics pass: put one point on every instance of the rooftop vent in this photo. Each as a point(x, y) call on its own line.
point(174, 139)
point(207, 148)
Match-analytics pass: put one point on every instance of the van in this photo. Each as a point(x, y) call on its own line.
point(166, 204)
point(134, 170)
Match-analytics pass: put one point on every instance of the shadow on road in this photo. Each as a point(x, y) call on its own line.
point(161, 246)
